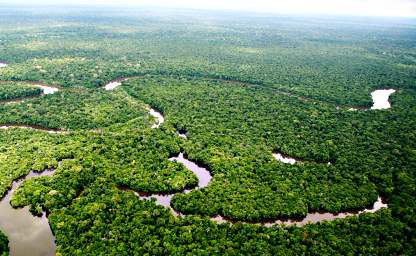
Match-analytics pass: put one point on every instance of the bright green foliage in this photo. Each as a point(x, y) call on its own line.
point(241, 87)
point(234, 130)
point(138, 162)
point(76, 108)
point(105, 217)
point(22, 150)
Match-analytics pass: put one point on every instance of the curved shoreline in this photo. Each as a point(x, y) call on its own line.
point(287, 159)
point(204, 178)
point(310, 218)
point(45, 235)
point(46, 89)
point(27, 234)
point(35, 83)
point(160, 119)
point(21, 99)
point(113, 84)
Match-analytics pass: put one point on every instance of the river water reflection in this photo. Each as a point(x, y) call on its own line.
point(27, 234)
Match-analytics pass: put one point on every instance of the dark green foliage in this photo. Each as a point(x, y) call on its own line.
point(234, 130)
point(18, 148)
point(241, 87)
point(76, 109)
point(4, 245)
point(107, 218)
point(14, 90)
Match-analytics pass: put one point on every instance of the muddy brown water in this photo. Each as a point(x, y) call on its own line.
point(27, 234)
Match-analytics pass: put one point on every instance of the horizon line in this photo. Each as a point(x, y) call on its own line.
point(182, 8)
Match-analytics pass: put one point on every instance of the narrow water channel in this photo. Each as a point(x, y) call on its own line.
point(33, 127)
point(159, 118)
point(46, 89)
point(27, 234)
point(311, 218)
point(204, 177)
point(3, 65)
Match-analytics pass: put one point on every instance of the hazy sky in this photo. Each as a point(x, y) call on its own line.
point(405, 8)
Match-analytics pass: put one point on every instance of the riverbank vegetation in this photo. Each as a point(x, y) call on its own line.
point(76, 108)
point(234, 130)
point(14, 90)
point(241, 87)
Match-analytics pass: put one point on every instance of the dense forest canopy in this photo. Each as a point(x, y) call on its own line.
point(241, 86)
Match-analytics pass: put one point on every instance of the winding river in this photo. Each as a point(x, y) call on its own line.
point(291, 160)
point(112, 85)
point(46, 89)
point(153, 112)
point(204, 178)
point(312, 218)
point(3, 65)
point(27, 234)
point(159, 118)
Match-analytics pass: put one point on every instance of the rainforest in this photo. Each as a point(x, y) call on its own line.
point(175, 132)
